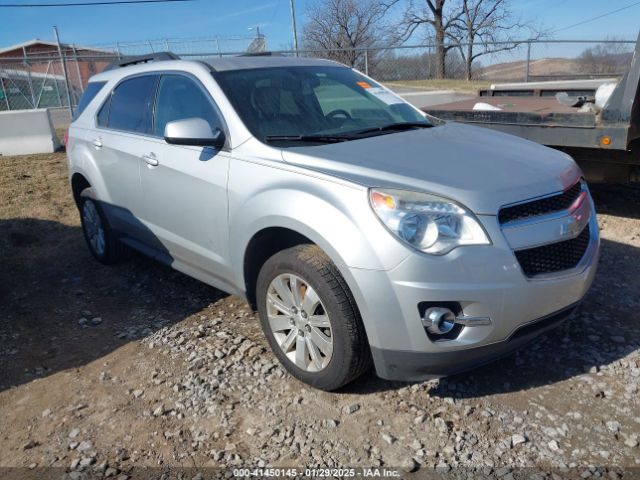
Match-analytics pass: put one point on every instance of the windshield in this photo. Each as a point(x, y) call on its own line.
point(326, 102)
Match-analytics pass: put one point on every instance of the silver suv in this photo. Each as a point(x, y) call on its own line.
point(361, 229)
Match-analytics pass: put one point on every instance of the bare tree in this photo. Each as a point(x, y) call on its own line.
point(344, 26)
point(605, 58)
point(432, 14)
point(485, 27)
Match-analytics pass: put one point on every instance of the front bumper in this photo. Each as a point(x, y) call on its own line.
point(417, 366)
point(486, 281)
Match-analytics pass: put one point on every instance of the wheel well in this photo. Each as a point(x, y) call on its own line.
point(78, 184)
point(262, 246)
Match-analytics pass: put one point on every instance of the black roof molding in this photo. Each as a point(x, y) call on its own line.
point(134, 60)
point(260, 54)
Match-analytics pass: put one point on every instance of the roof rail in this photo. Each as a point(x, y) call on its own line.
point(134, 60)
point(260, 54)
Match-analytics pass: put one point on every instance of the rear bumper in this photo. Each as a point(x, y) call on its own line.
point(418, 366)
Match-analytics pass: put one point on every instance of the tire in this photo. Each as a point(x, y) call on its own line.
point(325, 311)
point(101, 240)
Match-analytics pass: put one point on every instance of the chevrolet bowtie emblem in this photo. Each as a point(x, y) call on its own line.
point(570, 227)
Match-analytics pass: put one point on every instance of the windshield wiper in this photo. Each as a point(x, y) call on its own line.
point(310, 138)
point(393, 127)
point(348, 136)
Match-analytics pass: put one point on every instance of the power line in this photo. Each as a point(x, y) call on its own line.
point(85, 4)
point(595, 18)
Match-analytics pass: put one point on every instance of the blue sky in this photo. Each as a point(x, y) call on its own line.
point(205, 18)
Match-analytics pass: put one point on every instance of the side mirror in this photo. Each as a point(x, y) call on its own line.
point(193, 131)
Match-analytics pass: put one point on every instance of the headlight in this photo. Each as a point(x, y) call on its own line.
point(428, 223)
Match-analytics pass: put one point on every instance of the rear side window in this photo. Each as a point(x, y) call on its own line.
point(130, 106)
point(89, 94)
point(103, 114)
point(179, 97)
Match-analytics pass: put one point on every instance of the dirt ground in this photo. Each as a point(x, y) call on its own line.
point(112, 371)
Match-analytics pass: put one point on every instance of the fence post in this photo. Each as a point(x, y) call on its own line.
point(25, 63)
point(118, 50)
point(526, 73)
point(75, 58)
point(4, 92)
point(366, 62)
point(218, 47)
point(64, 70)
point(55, 84)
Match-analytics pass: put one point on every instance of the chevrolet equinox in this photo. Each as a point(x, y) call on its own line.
point(362, 230)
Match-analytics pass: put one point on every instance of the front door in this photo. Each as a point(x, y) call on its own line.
point(184, 187)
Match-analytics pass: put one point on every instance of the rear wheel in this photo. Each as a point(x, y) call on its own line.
point(101, 240)
point(310, 318)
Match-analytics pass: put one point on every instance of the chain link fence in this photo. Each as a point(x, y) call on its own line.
point(45, 79)
point(189, 46)
point(526, 61)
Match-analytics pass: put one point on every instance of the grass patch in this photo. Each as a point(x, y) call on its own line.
point(431, 84)
point(36, 209)
point(36, 186)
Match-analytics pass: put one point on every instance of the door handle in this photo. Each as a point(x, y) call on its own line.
point(97, 142)
point(151, 159)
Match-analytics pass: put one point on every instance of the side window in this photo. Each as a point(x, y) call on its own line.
point(179, 97)
point(89, 94)
point(103, 114)
point(132, 104)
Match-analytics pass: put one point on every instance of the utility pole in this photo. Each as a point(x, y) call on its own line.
point(526, 72)
point(293, 27)
point(64, 70)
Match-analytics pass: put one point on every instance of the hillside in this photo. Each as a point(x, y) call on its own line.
point(515, 71)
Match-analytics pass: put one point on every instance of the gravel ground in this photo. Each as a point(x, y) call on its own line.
point(105, 370)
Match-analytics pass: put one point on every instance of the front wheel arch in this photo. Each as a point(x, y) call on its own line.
point(262, 246)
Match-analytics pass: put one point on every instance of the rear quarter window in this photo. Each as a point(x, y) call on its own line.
point(89, 94)
point(131, 105)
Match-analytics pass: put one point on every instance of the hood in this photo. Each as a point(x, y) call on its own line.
point(478, 167)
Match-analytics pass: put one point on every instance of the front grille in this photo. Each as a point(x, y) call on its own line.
point(555, 257)
point(554, 203)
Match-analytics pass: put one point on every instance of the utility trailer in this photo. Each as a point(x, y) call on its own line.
point(547, 88)
point(605, 143)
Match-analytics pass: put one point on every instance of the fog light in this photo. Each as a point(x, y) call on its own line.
point(439, 320)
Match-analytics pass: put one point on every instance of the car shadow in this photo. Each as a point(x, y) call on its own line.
point(604, 329)
point(61, 309)
point(52, 291)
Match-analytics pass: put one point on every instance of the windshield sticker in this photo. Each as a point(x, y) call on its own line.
point(364, 85)
point(385, 95)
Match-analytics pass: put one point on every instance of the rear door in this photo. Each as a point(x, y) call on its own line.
point(185, 190)
point(124, 128)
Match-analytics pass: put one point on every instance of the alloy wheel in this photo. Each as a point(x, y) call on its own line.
point(299, 322)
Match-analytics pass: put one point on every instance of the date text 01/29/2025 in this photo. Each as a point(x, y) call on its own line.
point(316, 472)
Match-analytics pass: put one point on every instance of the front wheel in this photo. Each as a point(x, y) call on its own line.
point(310, 318)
